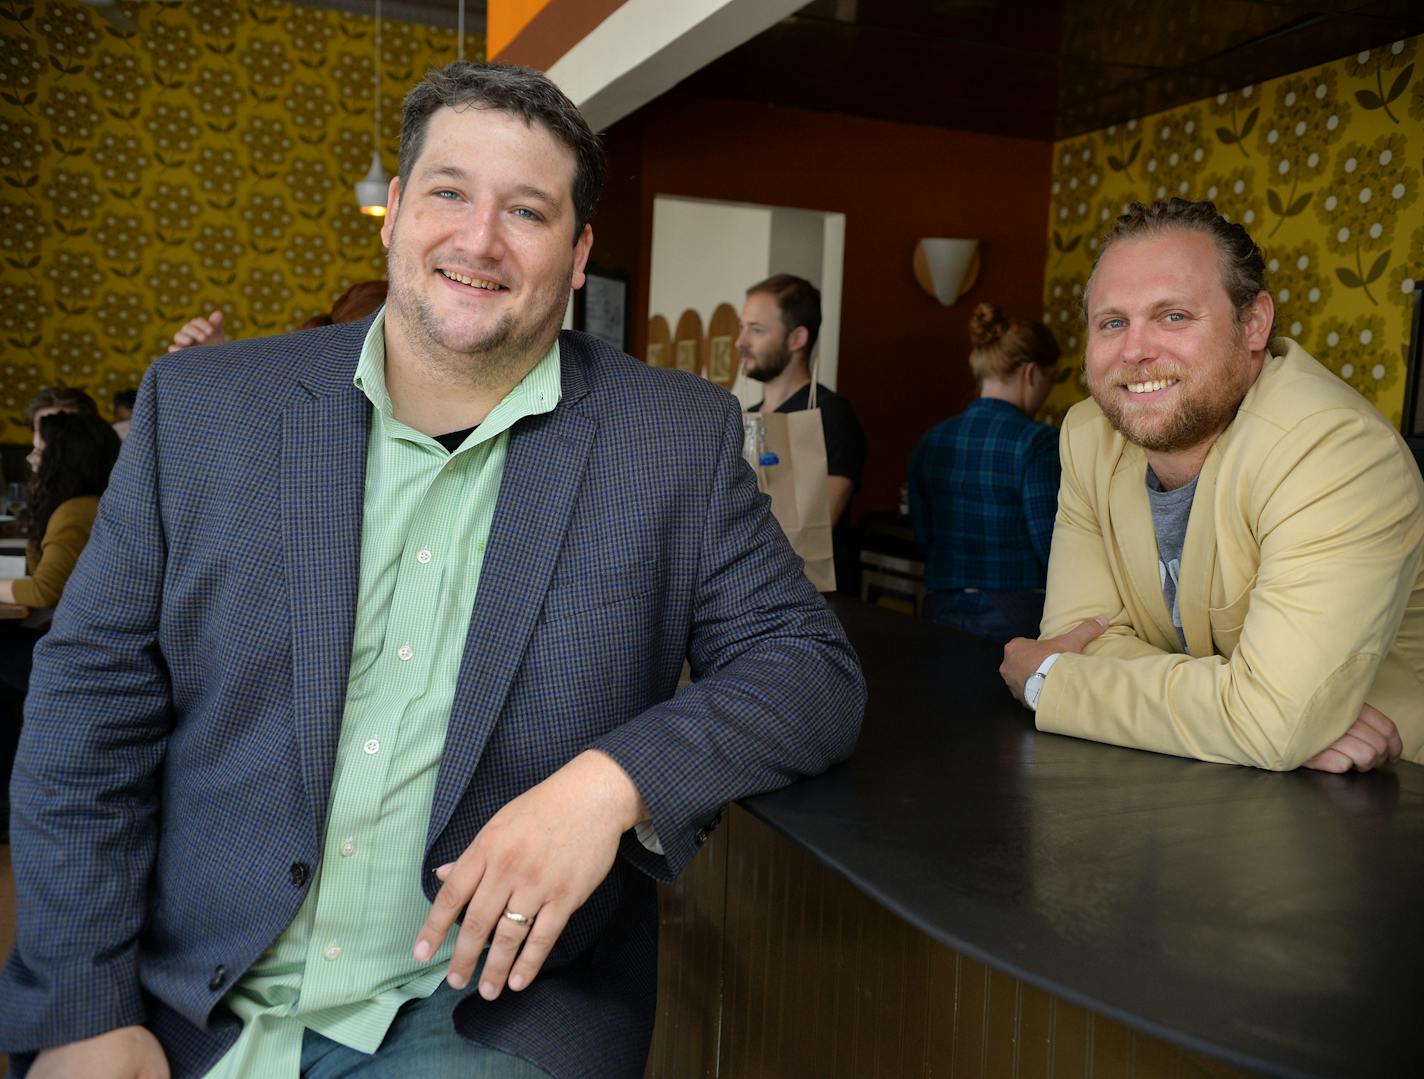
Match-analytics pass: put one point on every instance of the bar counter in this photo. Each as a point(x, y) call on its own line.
point(1203, 915)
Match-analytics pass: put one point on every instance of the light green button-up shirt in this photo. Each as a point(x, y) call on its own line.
point(344, 965)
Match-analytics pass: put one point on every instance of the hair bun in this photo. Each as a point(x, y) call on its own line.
point(986, 325)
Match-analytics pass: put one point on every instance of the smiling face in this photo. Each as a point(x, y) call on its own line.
point(1167, 359)
point(480, 236)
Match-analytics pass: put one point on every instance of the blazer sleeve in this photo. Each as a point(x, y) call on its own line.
point(65, 536)
point(84, 790)
point(777, 690)
point(1081, 584)
point(1341, 533)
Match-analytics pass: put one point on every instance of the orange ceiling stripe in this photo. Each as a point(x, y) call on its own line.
point(505, 19)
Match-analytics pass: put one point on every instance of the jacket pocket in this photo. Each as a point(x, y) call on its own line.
point(1227, 620)
point(567, 598)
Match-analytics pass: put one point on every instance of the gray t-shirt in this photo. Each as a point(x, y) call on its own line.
point(1170, 510)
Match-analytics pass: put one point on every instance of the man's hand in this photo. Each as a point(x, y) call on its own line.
point(125, 1053)
point(1371, 741)
point(199, 331)
point(541, 856)
point(1023, 656)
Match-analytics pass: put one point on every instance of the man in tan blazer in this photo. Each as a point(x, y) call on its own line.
point(1237, 570)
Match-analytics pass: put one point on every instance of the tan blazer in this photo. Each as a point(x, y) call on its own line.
point(1301, 590)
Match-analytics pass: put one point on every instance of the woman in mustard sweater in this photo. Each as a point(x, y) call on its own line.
point(69, 469)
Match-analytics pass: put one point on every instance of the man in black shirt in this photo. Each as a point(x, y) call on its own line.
point(780, 321)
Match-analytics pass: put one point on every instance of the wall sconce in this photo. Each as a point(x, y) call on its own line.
point(946, 269)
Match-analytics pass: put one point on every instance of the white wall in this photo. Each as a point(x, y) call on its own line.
point(705, 253)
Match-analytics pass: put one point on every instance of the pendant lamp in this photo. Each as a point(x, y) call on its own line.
point(371, 191)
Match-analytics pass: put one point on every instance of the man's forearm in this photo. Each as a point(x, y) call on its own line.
point(838, 492)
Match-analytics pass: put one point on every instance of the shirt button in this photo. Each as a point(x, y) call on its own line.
point(299, 873)
point(219, 978)
point(372, 746)
point(423, 555)
point(348, 848)
point(405, 652)
point(332, 951)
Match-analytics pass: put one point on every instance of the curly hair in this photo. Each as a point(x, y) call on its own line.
point(79, 453)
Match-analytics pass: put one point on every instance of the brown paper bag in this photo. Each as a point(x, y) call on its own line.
point(797, 486)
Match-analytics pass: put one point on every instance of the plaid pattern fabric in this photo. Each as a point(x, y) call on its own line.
point(172, 781)
point(983, 494)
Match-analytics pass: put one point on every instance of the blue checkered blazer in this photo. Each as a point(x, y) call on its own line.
point(184, 710)
point(983, 495)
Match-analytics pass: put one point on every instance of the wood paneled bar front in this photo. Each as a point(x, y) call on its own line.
point(969, 897)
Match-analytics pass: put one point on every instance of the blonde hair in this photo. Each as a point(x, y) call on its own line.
point(1001, 345)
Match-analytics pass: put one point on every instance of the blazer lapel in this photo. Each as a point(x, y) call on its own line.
point(1199, 556)
point(543, 472)
point(323, 471)
point(1130, 515)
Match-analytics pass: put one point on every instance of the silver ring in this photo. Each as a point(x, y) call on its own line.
point(517, 919)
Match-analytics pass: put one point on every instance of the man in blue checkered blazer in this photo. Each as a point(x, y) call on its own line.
point(180, 765)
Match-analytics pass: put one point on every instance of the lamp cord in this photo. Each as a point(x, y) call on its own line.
point(378, 76)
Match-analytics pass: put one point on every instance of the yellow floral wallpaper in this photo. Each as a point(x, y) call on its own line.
point(206, 160)
point(1323, 167)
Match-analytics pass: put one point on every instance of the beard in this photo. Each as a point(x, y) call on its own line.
point(770, 365)
point(491, 350)
point(1203, 407)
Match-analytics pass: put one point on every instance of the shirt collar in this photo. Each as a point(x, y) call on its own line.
point(537, 392)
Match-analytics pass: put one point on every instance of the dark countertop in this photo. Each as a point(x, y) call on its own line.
point(1271, 920)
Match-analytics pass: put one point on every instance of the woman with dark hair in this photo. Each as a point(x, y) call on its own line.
point(984, 486)
point(69, 469)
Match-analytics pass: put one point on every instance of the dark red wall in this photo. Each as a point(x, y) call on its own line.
point(902, 354)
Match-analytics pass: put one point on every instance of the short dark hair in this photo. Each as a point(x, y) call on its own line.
point(79, 453)
point(126, 398)
point(64, 398)
point(1243, 266)
point(519, 90)
point(798, 300)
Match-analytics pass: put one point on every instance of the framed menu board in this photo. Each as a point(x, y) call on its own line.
point(722, 330)
point(689, 345)
point(659, 342)
point(601, 306)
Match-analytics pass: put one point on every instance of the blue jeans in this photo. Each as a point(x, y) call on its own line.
point(1000, 616)
point(421, 1043)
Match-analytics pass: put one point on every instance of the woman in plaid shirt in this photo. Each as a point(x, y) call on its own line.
point(984, 486)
